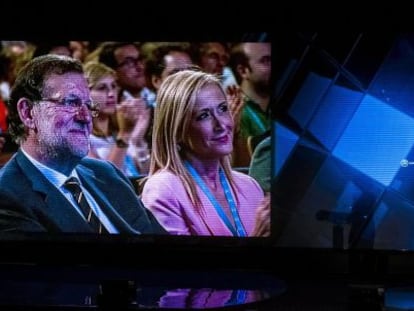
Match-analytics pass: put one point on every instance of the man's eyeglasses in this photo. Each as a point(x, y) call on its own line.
point(130, 62)
point(74, 104)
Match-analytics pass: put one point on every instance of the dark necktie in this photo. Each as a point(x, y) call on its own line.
point(72, 184)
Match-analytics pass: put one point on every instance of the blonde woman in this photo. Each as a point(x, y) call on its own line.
point(119, 126)
point(191, 188)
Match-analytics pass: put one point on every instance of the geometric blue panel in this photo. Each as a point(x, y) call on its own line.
point(308, 98)
point(349, 195)
point(399, 298)
point(285, 140)
point(376, 139)
point(336, 109)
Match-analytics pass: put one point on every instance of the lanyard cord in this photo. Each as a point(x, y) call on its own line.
point(239, 231)
point(255, 118)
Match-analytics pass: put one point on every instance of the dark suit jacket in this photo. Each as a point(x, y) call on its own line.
point(29, 202)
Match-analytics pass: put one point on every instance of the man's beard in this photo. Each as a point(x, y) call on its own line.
point(57, 148)
point(262, 87)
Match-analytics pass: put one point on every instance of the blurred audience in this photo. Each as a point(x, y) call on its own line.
point(213, 57)
point(117, 124)
point(126, 59)
point(2, 141)
point(3, 116)
point(79, 49)
point(164, 60)
point(5, 72)
point(52, 47)
point(251, 64)
point(13, 55)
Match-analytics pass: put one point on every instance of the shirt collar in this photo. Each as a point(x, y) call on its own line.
point(55, 177)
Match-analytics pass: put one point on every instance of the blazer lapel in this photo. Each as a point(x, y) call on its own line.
point(210, 217)
point(53, 204)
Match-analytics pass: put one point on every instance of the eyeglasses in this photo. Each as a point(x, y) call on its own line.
point(73, 104)
point(130, 62)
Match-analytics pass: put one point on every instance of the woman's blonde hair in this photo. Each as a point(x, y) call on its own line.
point(94, 71)
point(176, 99)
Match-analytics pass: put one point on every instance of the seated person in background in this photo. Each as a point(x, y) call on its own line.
point(191, 188)
point(7, 147)
point(164, 60)
point(3, 122)
point(213, 57)
point(251, 64)
point(2, 141)
point(50, 117)
point(3, 116)
point(59, 47)
point(260, 166)
point(117, 125)
point(127, 60)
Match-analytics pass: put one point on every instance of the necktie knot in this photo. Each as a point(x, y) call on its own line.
point(72, 184)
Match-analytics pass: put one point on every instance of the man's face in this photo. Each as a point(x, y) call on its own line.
point(259, 55)
point(63, 130)
point(173, 61)
point(214, 59)
point(130, 68)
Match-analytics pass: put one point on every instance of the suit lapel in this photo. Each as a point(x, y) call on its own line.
point(57, 209)
point(98, 189)
point(53, 204)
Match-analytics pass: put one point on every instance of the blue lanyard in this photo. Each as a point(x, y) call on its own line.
point(130, 168)
point(255, 118)
point(239, 231)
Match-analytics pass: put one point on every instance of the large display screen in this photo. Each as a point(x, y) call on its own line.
point(150, 62)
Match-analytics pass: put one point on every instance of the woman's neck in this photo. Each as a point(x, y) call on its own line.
point(207, 169)
point(101, 126)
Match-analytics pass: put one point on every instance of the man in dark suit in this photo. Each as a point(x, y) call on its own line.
point(50, 117)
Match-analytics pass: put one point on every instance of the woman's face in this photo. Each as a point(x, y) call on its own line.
point(210, 135)
point(105, 93)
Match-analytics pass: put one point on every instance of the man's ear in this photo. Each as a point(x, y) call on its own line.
point(242, 70)
point(24, 108)
point(156, 81)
